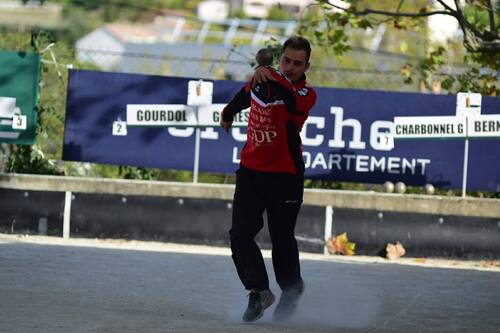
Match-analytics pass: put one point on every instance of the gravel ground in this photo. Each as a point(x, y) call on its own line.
point(50, 284)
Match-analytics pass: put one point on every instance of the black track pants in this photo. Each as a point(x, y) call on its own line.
point(280, 195)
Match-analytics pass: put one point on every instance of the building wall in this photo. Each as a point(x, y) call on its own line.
point(212, 10)
point(260, 8)
point(443, 28)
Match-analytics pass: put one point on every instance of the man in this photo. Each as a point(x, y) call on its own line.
point(271, 178)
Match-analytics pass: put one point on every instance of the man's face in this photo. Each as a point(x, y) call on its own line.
point(293, 63)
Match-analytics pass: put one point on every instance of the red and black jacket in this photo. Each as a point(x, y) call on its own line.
point(278, 110)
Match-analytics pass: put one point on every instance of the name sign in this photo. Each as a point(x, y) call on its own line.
point(483, 126)
point(210, 116)
point(161, 115)
point(429, 127)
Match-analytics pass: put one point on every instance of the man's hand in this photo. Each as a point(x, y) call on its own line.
point(262, 74)
point(226, 125)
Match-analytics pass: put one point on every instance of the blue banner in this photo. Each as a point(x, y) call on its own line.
point(342, 139)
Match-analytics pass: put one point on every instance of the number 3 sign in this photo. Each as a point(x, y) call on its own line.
point(19, 121)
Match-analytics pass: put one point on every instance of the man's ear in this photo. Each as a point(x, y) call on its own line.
point(307, 65)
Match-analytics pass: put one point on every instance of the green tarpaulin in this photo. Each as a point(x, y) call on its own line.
point(19, 77)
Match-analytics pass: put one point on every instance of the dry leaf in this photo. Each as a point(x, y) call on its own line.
point(489, 263)
point(340, 245)
point(395, 251)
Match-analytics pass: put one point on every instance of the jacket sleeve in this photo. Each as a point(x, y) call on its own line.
point(240, 101)
point(287, 95)
point(285, 90)
point(305, 104)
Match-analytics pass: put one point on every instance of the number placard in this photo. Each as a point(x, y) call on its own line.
point(19, 122)
point(200, 92)
point(119, 128)
point(468, 104)
point(387, 141)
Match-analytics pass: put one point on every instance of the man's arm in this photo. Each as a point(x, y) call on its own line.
point(305, 105)
point(240, 101)
point(262, 74)
point(287, 94)
point(281, 85)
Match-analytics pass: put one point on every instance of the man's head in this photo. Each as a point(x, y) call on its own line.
point(294, 60)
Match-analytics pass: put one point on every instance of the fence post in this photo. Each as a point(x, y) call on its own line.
point(67, 214)
point(328, 226)
point(466, 164)
point(196, 155)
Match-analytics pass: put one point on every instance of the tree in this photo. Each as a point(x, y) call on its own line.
point(478, 20)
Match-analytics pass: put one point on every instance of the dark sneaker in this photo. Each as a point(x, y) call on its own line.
point(258, 301)
point(288, 302)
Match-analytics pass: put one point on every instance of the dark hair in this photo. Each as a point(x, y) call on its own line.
point(298, 43)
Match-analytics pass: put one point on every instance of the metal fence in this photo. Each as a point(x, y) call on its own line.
point(225, 49)
point(375, 71)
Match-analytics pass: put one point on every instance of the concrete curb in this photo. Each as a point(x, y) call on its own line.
point(123, 244)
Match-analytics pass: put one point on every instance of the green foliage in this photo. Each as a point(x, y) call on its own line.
point(338, 29)
point(472, 80)
point(480, 75)
point(328, 30)
point(334, 30)
point(129, 8)
point(29, 159)
point(477, 16)
point(482, 66)
point(127, 172)
point(278, 13)
point(425, 67)
point(239, 14)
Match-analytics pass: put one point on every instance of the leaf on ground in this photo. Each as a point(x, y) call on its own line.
point(340, 245)
point(489, 263)
point(395, 251)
